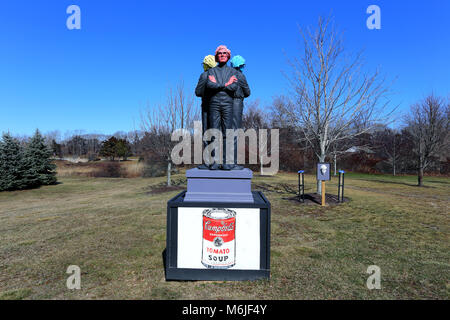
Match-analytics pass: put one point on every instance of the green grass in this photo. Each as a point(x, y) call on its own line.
point(115, 231)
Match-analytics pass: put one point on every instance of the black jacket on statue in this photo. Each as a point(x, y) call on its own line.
point(218, 93)
point(200, 92)
point(243, 91)
point(200, 89)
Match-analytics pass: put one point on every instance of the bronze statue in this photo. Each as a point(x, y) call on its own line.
point(220, 89)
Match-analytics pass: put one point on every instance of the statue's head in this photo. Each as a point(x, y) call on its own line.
point(209, 62)
point(237, 62)
point(223, 54)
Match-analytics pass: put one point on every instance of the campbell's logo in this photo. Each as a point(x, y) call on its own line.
point(219, 245)
point(219, 228)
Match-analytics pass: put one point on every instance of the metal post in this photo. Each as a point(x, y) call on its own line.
point(341, 186)
point(301, 185)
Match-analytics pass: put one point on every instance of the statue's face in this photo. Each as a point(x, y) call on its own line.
point(222, 56)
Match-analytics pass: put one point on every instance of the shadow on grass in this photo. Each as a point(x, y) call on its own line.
point(437, 181)
point(33, 187)
point(163, 254)
point(394, 182)
point(316, 199)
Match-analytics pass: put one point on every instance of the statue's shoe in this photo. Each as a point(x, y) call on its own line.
point(214, 166)
point(203, 167)
point(237, 167)
point(227, 166)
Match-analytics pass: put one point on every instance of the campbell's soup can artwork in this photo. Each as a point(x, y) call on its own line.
point(219, 241)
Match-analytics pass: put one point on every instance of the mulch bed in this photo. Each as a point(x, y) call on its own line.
point(316, 199)
point(177, 184)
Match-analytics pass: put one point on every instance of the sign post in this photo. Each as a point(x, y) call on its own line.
point(341, 186)
point(323, 174)
point(323, 193)
point(301, 185)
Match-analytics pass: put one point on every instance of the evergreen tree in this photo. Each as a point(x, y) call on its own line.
point(109, 148)
point(12, 166)
point(40, 169)
point(123, 149)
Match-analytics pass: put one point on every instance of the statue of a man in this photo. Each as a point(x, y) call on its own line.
point(221, 85)
point(208, 63)
point(242, 92)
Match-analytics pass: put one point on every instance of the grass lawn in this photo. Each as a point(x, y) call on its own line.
point(115, 230)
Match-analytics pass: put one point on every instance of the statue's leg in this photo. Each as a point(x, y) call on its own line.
point(238, 106)
point(203, 166)
point(214, 122)
point(204, 122)
point(227, 123)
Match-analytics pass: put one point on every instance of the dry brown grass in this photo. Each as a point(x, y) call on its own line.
point(129, 169)
point(133, 169)
point(115, 230)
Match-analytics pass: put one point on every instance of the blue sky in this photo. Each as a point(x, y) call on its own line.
point(128, 53)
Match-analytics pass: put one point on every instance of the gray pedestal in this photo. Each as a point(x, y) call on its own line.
point(219, 186)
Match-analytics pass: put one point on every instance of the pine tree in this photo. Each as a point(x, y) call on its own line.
point(40, 169)
point(108, 148)
point(12, 166)
point(123, 149)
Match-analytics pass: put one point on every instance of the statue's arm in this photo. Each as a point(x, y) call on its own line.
point(200, 89)
point(214, 85)
point(244, 85)
point(231, 86)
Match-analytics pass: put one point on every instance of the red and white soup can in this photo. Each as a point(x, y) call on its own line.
point(219, 238)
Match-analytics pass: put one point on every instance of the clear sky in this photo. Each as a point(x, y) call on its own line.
point(128, 53)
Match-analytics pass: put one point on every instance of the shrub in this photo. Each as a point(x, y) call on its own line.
point(154, 169)
point(108, 169)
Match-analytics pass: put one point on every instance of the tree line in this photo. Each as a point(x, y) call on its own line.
point(92, 146)
point(418, 143)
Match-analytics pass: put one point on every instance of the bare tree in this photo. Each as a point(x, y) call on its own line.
point(159, 122)
point(389, 143)
point(256, 118)
point(283, 117)
point(332, 92)
point(428, 124)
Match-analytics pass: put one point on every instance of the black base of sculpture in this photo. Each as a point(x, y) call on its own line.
point(183, 254)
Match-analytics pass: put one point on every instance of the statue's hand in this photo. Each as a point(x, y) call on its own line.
point(233, 79)
point(212, 79)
